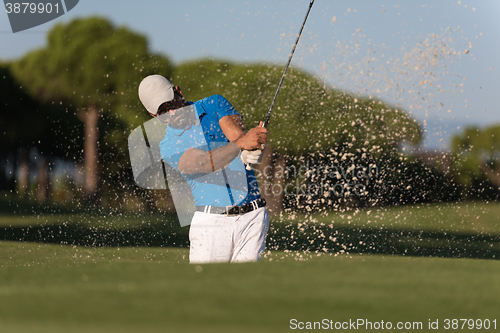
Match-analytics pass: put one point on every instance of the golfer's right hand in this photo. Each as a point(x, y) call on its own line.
point(253, 139)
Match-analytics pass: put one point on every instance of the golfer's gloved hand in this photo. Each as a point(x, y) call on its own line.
point(251, 156)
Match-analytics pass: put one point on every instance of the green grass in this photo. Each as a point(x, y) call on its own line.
point(463, 217)
point(127, 286)
point(467, 230)
point(50, 288)
point(457, 230)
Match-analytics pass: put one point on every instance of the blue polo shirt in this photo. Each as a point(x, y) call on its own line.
point(232, 186)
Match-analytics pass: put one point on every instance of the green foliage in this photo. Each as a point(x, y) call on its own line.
point(408, 180)
point(308, 115)
point(22, 121)
point(479, 143)
point(341, 180)
point(91, 62)
point(29, 123)
point(328, 127)
point(474, 151)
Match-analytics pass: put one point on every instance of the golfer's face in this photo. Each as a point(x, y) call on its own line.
point(180, 118)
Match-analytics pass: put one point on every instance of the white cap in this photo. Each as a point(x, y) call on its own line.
point(155, 90)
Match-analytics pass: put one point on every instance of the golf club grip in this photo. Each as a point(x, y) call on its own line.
point(268, 116)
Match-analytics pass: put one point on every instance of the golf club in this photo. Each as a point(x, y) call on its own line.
point(268, 116)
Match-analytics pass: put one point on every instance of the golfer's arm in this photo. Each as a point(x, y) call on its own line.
point(199, 161)
point(232, 126)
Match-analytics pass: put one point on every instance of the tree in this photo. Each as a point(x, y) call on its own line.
point(28, 125)
point(309, 117)
point(94, 68)
point(476, 167)
point(20, 125)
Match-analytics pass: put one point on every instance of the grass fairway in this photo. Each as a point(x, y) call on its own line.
point(138, 280)
point(54, 288)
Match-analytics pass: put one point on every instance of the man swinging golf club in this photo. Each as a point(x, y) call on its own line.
point(206, 143)
point(202, 142)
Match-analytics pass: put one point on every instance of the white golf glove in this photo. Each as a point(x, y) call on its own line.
point(251, 156)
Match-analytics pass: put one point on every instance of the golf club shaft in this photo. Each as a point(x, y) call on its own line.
point(268, 116)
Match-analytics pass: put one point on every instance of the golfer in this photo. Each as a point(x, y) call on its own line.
point(206, 143)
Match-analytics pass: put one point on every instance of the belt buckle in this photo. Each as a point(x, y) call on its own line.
point(228, 208)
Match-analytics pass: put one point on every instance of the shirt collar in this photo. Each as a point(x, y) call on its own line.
point(179, 131)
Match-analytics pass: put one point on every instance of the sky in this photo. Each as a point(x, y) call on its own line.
point(436, 59)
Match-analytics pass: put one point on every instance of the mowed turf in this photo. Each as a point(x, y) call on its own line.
point(47, 287)
point(54, 288)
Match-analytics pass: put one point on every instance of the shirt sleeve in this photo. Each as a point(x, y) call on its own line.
point(220, 107)
point(171, 149)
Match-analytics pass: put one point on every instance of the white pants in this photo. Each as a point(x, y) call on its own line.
point(222, 238)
